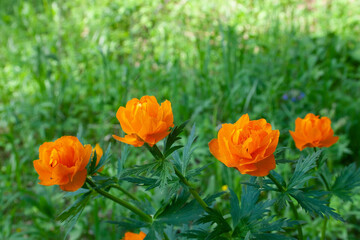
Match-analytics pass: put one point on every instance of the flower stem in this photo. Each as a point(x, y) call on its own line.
point(192, 190)
point(292, 206)
point(124, 191)
point(123, 203)
point(323, 230)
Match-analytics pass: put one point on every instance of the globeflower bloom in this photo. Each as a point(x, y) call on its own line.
point(99, 153)
point(63, 163)
point(134, 236)
point(313, 131)
point(145, 121)
point(247, 146)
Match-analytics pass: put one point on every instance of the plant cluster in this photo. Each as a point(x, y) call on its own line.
point(248, 146)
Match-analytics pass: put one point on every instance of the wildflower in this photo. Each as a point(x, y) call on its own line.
point(63, 163)
point(99, 153)
point(247, 146)
point(145, 121)
point(224, 188)
point(313, 131)
point(134, 236)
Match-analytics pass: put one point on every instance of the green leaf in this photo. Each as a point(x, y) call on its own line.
point(301, 174)
point(234, 208)
point(188, 150)
point(171, 150)
point(272, 236)
point(91, 164)
point(213, 216)
point(346, 182)
point(103, 160)
point(129, 223)
point(194, 172)
point(311, 203)
point(121, 161)
point(173, 136)
point(253, 218)
point(71, 214)
point(178, 212)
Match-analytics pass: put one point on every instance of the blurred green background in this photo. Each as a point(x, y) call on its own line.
point(66, 66)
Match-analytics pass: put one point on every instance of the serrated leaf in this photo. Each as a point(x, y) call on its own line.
point(178, 212)
point(188, 150)
point(103, 160)
point(213, 216)
point(92, 162)
point(234, 208)
point(303, 166)
point(121, 161)
point(312, 204)
point(171, 150)
point(71, 214)
point(129, 223)
point(174, 136)
point(346, 182)
point(272, 236)
point(194, 172)
point(77, 192)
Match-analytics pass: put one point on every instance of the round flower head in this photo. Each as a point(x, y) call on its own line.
point(313, 131)
point(134, 236)
point(63, 163)
point(247, 146)
point(145, 121)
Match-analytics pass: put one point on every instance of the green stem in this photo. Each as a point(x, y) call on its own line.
point(324, 180)
point(192, 190)
point(123, 203)
point(292, 206)
point(166, 236)
point(323, 230)
point(124, 191)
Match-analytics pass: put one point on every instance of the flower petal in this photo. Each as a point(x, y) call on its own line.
point(76, 183)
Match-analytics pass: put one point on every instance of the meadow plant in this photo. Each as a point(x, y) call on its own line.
point(247, 146)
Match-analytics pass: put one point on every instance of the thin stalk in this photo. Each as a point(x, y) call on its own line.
point(124, 191)
point(166, 237)
point(292, 206)
point(323, 230)
point(192, 190)
point(123, 203)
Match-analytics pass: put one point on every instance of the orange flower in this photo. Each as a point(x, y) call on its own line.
point(134, 236)
point(63, 163)
point(247, 146)
point(145, 121)
point(313, 131)
point(99, 153)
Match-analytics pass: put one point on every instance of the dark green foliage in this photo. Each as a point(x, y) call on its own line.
point(71, 214)
point(251, 218)
point(182, 162)
point(178, 211)
point(213, 216)
point(92, 167)
point(346, 182)
point(311, 203)
point(172, 138)
point(302, 173)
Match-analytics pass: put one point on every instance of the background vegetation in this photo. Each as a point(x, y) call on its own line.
point(66, 66)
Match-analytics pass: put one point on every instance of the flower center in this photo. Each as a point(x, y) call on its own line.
point(54, 158)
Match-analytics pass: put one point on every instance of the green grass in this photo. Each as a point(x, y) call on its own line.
point(69, 65)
